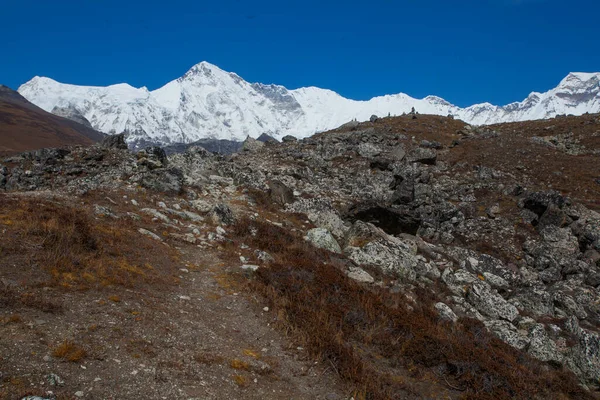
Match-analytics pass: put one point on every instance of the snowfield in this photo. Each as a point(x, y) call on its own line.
point(208, 102)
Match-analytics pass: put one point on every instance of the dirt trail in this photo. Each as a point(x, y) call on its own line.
point(206, 337)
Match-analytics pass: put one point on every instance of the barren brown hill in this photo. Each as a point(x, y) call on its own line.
point(24, 126)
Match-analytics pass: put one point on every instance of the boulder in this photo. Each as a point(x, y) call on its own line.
point(251, 145)
point(289, 139)
point(423, 156)
point(490, 303)
point(280, 193)
point(368, 150)
point(508, 333)
point(360, 275)
point(114, 142)
point(365, 244)
point(322, 238)
point(222, 214)
point(542, 347)
point(152, 157)
point(445, 312)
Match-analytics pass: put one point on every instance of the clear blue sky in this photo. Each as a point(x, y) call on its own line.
point(466, 51)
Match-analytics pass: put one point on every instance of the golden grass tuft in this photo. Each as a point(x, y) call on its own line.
point(239, 364)
point(241, 380)
point(69, 351)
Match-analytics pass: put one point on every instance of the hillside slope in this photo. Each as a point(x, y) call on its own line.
point(24, 126)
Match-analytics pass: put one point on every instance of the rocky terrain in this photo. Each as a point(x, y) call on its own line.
point(406, 257)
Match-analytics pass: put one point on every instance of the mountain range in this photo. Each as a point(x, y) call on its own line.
point(209, 103)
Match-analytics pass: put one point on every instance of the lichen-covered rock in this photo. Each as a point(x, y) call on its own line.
point(584, 357)
point(322, 238)
point(365, 244)
point(490, 303)
point(222, 214)
point(508, 333)
point(359, 275)
point(446, 312)
point(542, 347)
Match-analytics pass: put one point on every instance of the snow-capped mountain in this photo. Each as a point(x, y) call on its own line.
point(208, 102)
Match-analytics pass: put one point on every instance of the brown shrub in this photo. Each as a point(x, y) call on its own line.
point(69, 351)
point(372, 338)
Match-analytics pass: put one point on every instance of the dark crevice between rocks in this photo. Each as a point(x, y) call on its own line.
point(391, 220)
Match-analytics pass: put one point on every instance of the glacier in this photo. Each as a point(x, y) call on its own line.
point(209, 103)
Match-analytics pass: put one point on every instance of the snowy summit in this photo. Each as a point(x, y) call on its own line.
point(208, 102)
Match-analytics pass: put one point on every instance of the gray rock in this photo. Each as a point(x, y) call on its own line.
point(280, 193)
point(446, 312)
point(398, 153)
point(263, 256)
point(156, 214)
point(423, 156)
point(251, 145)
point(201, 206)
point(152, 235)
point(489, 303)
point(507, 333)
point(163, 180)
point(365, 244)
point(368, 150)
point(542, 347)
point(584, 357)
point(221, 213)
point(359, 275)
point(114, 142)
point(322, 238)
point(55, 380)
point(373, 118)
point(289, 139)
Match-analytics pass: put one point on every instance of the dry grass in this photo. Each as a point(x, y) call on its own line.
point(208, 358)
point(371, 338)
point(69, 351)
point(76, 250)
point(241, 380)
point(239, 364)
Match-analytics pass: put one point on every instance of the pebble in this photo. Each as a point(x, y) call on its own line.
point(266, 309)
point(79, 394)
point(185, 297)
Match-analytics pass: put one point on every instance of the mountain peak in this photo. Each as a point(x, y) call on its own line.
point(208, 102)
point(203, 68)
point(580, 78)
